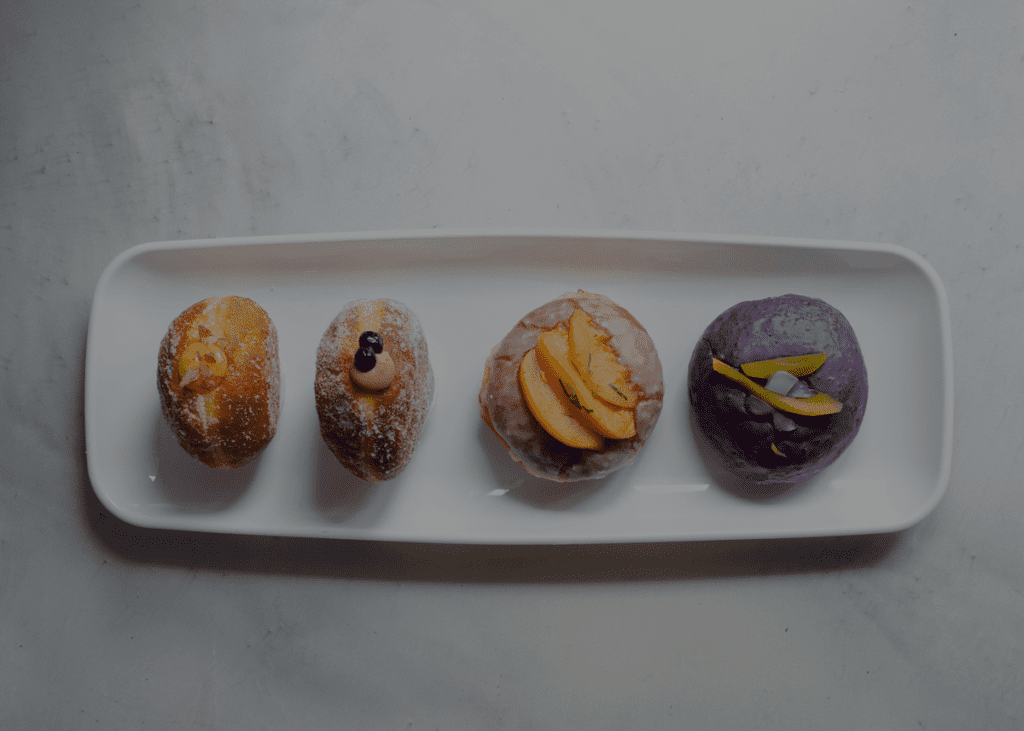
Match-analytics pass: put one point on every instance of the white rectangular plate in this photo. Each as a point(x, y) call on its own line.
point(469, 288)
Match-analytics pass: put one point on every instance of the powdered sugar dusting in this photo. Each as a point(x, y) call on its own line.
point(373, 434)
point(225, 426)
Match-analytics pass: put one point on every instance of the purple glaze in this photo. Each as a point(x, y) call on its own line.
point(772, 328)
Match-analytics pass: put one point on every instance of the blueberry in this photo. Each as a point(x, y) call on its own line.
point(370, 339)
point(365, 360)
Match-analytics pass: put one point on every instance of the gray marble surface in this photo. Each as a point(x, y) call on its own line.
point(123, 122)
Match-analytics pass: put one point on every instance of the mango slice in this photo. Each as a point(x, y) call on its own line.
point(552, 408)
point(553, 355)
point(819, 404)
point(597, 363)
point(798, 365)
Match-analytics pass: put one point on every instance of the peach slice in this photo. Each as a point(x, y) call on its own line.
point(597, 363)
point(553, 354)
point(551, 408)
point(819, 404)
point(798, 365)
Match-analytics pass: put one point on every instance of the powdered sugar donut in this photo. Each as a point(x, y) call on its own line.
point(219, 380)
point(373, 387)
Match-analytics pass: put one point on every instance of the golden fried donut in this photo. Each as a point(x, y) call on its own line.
point(506, 393)
point(220, 380)
point(373, 387)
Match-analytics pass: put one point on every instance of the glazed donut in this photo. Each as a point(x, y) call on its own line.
point(219, 380)
point(511, 396)
point(373, 387)
point(776, 436)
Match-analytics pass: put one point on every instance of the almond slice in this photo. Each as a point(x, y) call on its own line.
point(191, 375)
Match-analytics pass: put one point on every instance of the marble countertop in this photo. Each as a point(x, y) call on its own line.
point(126, 122)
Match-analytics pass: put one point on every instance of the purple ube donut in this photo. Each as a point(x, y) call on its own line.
point(739, 427)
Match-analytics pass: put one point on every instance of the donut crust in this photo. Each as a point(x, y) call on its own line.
point(373, 434)
point(504, 410)
point(228, 425)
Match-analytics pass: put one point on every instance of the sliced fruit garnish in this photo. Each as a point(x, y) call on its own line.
point(553, 356)
point(597, 363)
point(798, 365)
point(819, 404)
point(552, 409)
point(202, 353)
point(202, 366)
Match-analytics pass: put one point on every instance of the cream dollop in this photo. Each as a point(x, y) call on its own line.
point(377, 378)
